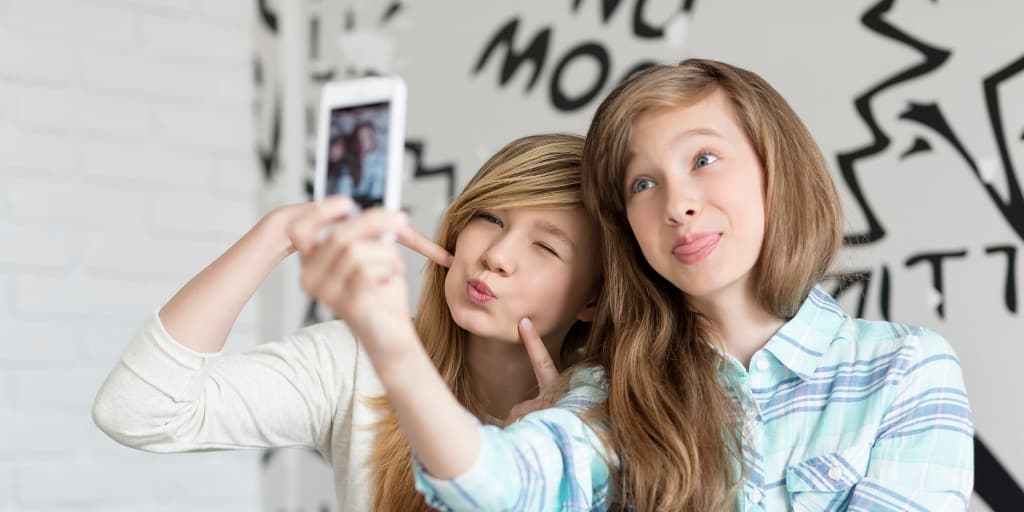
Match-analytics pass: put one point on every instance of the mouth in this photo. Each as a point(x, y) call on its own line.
point(695, 247)
point(479, 293)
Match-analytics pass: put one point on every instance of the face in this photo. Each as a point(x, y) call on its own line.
point(337, 149)
point(366, 138)
point(540, 263)
point(695, 196)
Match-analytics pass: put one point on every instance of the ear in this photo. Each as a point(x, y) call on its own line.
point(589, 310)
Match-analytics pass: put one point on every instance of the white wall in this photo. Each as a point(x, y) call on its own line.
point(125, 165)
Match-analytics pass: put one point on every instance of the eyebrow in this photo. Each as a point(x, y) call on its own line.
point(693, 132)
point(555, 231)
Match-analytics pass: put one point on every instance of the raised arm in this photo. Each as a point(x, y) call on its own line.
point(172, 390)
point(202, 313)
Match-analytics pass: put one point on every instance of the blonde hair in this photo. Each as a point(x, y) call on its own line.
point(675, 426)
point(540, 171)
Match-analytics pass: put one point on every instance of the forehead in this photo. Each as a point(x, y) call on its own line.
point(572, 217)
point(574, 222)
point(659, 130)
point(714, 111)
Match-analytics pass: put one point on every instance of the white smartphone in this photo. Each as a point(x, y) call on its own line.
point(361, 141)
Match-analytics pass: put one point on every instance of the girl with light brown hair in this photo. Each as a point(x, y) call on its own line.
point(734, 382)
point(514, 278)
point(734, 378)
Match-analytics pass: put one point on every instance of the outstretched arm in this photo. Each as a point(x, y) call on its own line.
point(549, 459)
point(360, 277)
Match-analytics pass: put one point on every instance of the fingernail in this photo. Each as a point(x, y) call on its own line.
point(526, 323)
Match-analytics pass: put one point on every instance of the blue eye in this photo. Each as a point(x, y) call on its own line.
point(640, 185)
point(705, 159)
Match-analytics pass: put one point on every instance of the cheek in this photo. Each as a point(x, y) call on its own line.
point(644, 224)
point(557, 297)
point(451, 282)
point(752, 220)
point(546, 291)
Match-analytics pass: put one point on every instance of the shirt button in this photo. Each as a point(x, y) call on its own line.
point(762, 364)
point(835, 473)
point(755, 496)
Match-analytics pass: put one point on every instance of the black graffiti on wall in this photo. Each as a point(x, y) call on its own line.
point(535, 53)
point(267, 95)
point(993, 482)
point(930, 115)
point(860, 281)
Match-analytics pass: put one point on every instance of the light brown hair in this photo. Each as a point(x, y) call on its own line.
point(675, 427)
point(540, 171)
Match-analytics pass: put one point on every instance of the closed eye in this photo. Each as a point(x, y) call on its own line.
point(490, 217)
point(548, 248)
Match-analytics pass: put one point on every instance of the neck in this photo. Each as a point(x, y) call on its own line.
point(743, 323)
point(502, 373)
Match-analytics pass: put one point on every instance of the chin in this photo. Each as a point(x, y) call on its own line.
point(487, 327)
point(698, 288)
point(707, 290)
point(460, 316)
point(475, 322)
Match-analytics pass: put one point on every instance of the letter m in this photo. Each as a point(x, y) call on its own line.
point(536, 53)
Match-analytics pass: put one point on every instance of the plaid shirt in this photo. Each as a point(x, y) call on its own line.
point(839, 414)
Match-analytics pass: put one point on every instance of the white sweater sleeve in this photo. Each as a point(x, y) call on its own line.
point(163, 397)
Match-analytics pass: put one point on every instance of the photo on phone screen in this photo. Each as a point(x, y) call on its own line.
point(357, 153)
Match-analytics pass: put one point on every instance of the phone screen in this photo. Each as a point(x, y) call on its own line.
point(357, 153)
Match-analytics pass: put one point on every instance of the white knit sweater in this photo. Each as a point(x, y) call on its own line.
point(306, 390)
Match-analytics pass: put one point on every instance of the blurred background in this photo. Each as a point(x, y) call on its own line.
point(140, 138)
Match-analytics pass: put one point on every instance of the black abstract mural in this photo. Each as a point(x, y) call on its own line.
point(266, 92)
point(993, 482)
point(514, 48)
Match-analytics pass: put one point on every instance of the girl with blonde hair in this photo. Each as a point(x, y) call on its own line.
point(733, 381)
point(515, 244)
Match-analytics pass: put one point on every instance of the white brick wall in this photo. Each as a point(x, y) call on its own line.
point(125, 166)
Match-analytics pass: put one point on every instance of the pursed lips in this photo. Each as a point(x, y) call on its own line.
point(479, 292)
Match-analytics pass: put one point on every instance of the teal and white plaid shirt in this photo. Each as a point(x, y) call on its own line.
point(840, 414)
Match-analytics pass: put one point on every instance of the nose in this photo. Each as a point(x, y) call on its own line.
point(499, 257)
point(682, 204)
